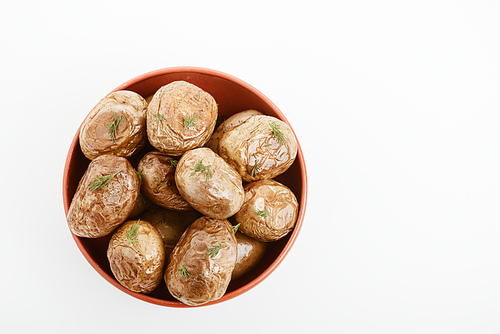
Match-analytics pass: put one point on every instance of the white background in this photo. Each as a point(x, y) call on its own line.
point(396, 105)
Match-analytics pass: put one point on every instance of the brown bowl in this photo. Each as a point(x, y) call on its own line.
point(233, 95)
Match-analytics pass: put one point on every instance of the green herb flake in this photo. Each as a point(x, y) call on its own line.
point(256, 166)
point(159, 117)
point(213, 251)
point(174, 163)
point(114, 126)
point(101, 181)
point(166, 220)
point(183, 272)
point(262, 213)
point(236, 227)
point(190, 121)
point(133, 233)
point(277, 132)
point(139, 175)
point(199, 167)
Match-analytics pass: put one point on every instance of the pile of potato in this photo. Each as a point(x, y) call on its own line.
point(168, 214)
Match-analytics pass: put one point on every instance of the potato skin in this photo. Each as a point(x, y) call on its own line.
point(170, 224)
point(96, 213)
point(130, 137)
point(228, 124)
point(250, 252)
point(219, 196)
point(168, 109)
point(158, 181)
point(207, 276)
point(253, 142)
point(137, 265)
point(273, 197)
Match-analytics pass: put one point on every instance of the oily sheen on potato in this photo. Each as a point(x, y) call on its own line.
point(105, 197)
point(209, 184)
point(180, 117)
point(202, 262)
point(158, 181)
point(117, 125)
point(269, 211)
point(260, 148)
point(250, 252)
point(136, 256)
point(228, 124)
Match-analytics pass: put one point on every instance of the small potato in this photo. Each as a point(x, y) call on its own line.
point(158, 181)
point(250, 252)
point(140, 206)
point(209, 184)
point(269, 211)
point(170, 224)
point(262, 147)
point(117, 125)
point(228, 124)
point(136, 256)
point(180, 117)
point(202, 262)
point(105, 197)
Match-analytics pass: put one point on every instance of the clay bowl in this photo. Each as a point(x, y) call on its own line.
point(233, 95)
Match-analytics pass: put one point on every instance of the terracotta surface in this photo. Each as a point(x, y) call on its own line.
point(233, 95)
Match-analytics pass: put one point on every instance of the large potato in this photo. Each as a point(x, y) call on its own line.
point(170, 224)
point(209, 184)
point(158, 181)
point(250, 252)
point(105, 197)
point(269, 211)
point(117, 124)
point(136, 256)
point(228, 124)
point(180, 117)
point(262, 147)
point(202, 262)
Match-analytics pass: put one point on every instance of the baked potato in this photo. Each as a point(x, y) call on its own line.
point(180, 117)
point(140, 206)
point(117, 125)
point(209, 184)
point(136, 256)
point(202, 262)
point(170, 224)
point(250, 252)
point(269, 211)
point(260, 148)
point(104, 198)
point(228, 124)
point(158, 181)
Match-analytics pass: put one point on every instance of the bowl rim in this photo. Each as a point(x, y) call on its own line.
point(302, 205)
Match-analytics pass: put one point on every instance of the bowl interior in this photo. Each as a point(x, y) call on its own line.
point(232, 95)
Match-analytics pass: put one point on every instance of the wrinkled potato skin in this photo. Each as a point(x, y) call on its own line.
point(228, 124)
point(158, 181)
point(137, 266)
point(221, 196)
point(175, 102)
point(250, 252)
point(254, 136)
point(130, 137)
point(170, 224)
point(94, 214)
point(273, 197)
point(209, 275)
